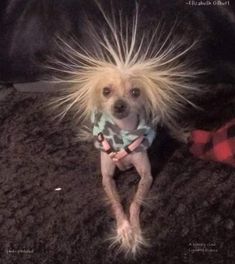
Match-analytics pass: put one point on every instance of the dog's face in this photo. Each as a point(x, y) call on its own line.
point(119, 95)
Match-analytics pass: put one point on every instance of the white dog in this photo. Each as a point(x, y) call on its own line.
point(126, 84)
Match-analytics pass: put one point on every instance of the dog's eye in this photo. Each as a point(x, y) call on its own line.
point(135, 92)
point(106, 91)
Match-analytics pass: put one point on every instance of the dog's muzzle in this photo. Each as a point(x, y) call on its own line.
point(120, 109)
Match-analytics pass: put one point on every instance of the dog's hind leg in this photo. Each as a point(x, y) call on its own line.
point(124, 236)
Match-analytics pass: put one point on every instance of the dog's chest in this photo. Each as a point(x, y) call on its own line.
point(118, 138)
point(125, 163)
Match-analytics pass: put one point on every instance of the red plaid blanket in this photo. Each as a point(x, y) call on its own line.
point(216, 145)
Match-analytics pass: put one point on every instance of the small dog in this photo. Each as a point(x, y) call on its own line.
point(126, 81)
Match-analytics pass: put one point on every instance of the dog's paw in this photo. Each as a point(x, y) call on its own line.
point(129, 240)
point(125, 235)
point(139, 242)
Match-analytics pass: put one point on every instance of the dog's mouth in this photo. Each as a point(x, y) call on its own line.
point(120, 115)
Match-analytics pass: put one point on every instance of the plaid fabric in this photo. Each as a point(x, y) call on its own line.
point(217, 145)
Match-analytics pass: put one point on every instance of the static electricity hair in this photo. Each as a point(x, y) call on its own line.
point(156, 59)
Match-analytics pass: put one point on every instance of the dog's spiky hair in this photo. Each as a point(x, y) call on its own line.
point(152, 57)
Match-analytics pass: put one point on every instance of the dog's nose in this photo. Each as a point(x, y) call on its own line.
point(120, 106)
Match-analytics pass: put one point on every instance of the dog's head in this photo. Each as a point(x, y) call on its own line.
point(118, 94)
point(124, 74)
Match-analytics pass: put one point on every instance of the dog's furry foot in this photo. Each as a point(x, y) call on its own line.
point(139, 242)
point(182, 135)
point(125, 235)
point(130, 240)
point(185, 137)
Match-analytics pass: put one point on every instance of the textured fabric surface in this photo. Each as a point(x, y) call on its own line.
point(190, 217)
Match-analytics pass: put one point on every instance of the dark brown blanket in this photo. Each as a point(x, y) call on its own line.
point(190, 217)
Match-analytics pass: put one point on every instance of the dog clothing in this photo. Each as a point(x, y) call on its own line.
point(216, 145)
point(119, 139)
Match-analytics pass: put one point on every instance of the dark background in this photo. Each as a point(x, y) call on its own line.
point(191, 201)
point(28, 28)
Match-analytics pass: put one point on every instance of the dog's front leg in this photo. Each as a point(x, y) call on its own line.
point(141, 162)
point(124, 231)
